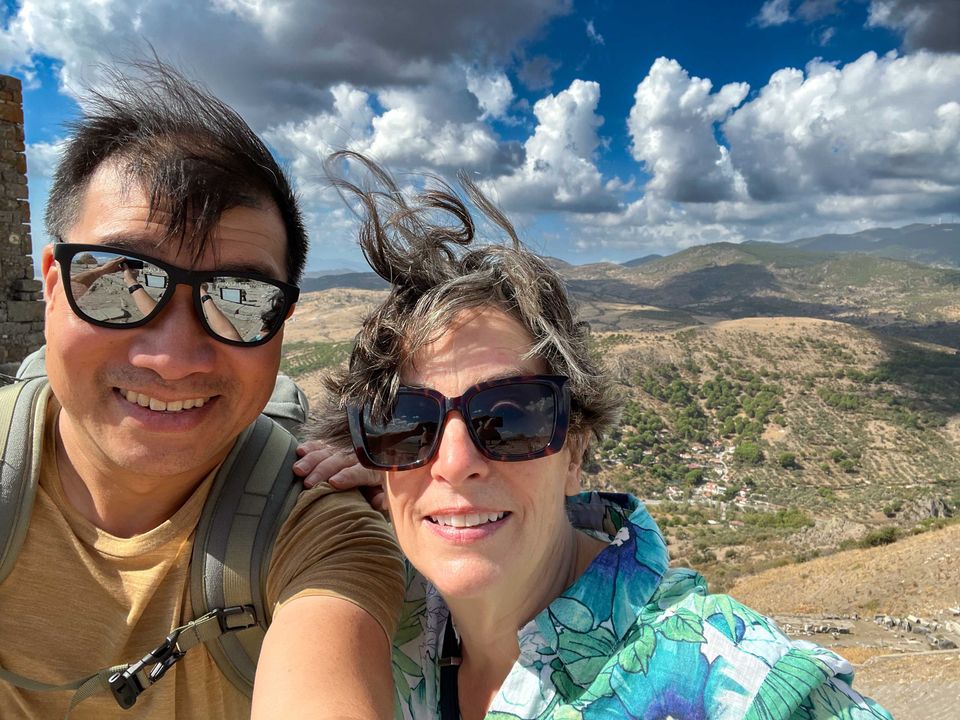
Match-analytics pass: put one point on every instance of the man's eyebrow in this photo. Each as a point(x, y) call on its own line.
point(126, 241)
point(235, 267)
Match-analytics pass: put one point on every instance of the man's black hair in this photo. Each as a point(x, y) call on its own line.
point(192, 154)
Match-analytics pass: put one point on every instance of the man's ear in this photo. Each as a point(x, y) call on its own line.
point(577, 443)
point(49, 271)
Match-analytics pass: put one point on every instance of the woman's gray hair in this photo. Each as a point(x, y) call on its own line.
point(435, 273)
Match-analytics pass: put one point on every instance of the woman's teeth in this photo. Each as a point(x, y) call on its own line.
point(468, 520)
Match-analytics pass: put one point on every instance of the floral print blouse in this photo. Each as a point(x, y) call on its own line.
point(632, 638)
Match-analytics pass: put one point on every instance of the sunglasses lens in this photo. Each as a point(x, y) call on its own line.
point(514, 421)
point(100, 283)
point(408, 433)
point(244, 309)
point(113, 289)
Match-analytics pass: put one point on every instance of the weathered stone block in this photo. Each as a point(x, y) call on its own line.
point(27, 285)
point(16, 189)
point(11, 84)
point(11, 113)
point(24, 311)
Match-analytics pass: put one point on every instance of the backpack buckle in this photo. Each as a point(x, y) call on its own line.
point(228, 620)
point(125, 688)
point(127, 685)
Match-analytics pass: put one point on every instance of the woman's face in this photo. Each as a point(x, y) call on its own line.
point(429, 505)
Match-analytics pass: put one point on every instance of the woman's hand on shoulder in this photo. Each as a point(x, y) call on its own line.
point(320, 463)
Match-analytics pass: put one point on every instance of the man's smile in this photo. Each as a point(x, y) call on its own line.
point(170, 406)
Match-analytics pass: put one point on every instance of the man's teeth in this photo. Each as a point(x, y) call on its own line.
point(161, 406)
point(468, 520)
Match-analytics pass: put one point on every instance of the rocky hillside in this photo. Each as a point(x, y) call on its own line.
point(756, 441)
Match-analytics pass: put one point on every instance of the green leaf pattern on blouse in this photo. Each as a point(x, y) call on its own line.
point(634, 639)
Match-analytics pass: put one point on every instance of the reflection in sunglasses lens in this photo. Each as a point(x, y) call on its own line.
point(116, 290)
point(514, 420)
point(101, 283)
point(509, 422)
point(409, 432)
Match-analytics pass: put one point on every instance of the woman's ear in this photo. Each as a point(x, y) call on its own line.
point(577, 443)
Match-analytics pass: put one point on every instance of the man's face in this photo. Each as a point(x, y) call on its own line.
point(171, 359)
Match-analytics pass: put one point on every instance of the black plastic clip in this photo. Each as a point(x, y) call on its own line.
point(126, 686)
point(223, 613)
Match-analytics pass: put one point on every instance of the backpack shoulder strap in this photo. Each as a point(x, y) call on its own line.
point(22, 409)
point(253, 493)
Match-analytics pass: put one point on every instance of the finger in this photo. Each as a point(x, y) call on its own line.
point(327, 468)
point(353, 476)
point(310, 446)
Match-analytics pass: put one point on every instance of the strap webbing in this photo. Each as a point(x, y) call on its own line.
point(253, 493)
point(127, 681)
point(450, 659)
point(22, 409)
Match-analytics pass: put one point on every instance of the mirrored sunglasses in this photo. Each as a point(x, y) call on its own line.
point(115, 288)
point(509, 420)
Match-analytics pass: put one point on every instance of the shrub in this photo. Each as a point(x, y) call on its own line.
point(883, 536)
point(848, 465)
point(788, 460)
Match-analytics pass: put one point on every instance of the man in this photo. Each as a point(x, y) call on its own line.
point(171, 218)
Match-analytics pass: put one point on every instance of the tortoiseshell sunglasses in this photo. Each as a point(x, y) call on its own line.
point(509, 420)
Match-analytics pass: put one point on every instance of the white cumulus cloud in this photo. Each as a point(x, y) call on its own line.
point(671, 126)
point(559, 170)
point(492, 90)
point(851, 130)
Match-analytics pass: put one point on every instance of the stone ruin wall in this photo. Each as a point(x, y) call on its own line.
point(21, 313)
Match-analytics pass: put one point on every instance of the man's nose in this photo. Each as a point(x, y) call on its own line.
point(174, 344)
point(458, 458)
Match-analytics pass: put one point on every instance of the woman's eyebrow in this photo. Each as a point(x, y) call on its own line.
point(502, 375)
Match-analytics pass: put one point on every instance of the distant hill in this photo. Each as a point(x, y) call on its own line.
point(326, 273)
point(927, 244)
point(352, 280)
point(636, 262)
point(730, 280)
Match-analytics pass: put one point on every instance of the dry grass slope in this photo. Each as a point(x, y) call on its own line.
point(918, 575)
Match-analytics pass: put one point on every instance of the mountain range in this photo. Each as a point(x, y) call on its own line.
point(850, 278)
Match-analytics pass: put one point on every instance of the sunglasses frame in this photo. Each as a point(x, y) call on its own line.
point(561, 422)
point(64, 253)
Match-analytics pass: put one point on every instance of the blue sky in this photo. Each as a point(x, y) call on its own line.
point(607, 130)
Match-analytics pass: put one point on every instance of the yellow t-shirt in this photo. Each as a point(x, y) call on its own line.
point(80, 599)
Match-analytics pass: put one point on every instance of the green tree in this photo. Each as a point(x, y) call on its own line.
point(748, 453)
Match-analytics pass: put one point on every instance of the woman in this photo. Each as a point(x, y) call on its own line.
point(472, 393)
